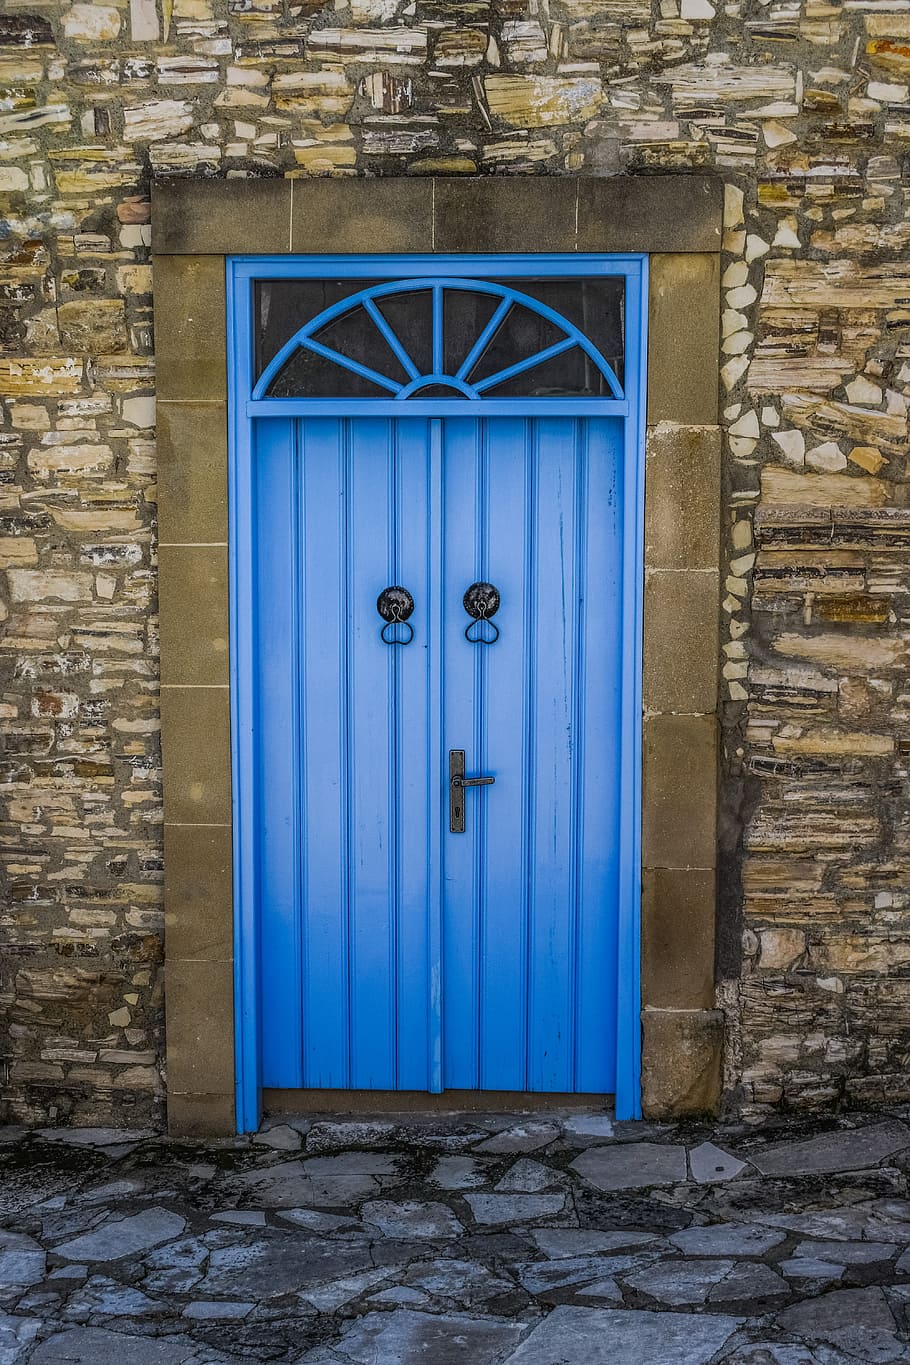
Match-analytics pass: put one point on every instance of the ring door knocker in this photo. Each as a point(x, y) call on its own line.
point(481, 601)
point(395, 605)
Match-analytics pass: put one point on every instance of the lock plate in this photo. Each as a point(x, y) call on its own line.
point(457, 784)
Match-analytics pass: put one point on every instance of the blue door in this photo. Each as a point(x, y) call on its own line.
point(438, 598)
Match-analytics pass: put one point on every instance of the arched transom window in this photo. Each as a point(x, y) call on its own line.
point(445, 337)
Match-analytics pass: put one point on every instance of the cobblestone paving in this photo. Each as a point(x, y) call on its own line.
point(459, 1240)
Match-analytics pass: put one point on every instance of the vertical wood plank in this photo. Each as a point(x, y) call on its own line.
point(325, 1002)
point(279, 822)
point(598, 835)
point(505, 547)
point(553, 665)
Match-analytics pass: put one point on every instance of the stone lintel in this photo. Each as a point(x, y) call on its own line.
point(626, 213)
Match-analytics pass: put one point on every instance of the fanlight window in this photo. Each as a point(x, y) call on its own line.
point(448, 337)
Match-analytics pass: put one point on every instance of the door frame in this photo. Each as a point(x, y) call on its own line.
point(241, 272)
point(677, 222)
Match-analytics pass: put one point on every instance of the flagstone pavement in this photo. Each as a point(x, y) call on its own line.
point(547, 1239)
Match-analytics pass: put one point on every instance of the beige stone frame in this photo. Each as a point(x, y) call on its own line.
point(677, 220)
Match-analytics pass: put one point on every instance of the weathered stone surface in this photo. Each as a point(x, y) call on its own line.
point(406, 1335)
point(514, 1208)
point(838, 1151)
point(22, 1261)
point(676, 1283)
point(323, 1180)
point(420, 1220)
point(263, 1270)
point(727, 1239)
point(97, 1346)
point(123, 1237)
point(709, 1163)
point(600, 1336)
point(857, 1321)
point(524, 1137)
point(631, 1165)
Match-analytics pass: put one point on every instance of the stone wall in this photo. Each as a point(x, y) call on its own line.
point(804, 109)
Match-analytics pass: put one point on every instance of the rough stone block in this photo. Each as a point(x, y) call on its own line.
point(683, 497)
point(681, 1062)
point(677, 937)
point(679, 823)
point(681, 641)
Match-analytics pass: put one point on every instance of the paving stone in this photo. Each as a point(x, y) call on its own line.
point(265, 1269)
point(607, 1291)
point(632, 1165)
point(314, 1221)
point(402, 1295)
point(326, 1181)
point(529, 1177)
point(514, 1208)
point(710, 1164)
point(606, 1336)
point(847, 1253)
point(111, 1299)
point(458, 1173)
point(96, 1137)
point(842, 1150)
point(877, 1220)
point(771, 1353)
point(750, 1282)
point(330, 1297)
point(22, 1261)
point(804, 1268)
point(678, 1282)
point(210, 1310)
point(16, 1335)
point(727, 1239)
point(539, 1277)
point(119, 1237)
point(522, 1137)
point(97, 1346)
point(249, 1218)
point(557, 1242)
point(462, 1281)
point(589, 1127)
point(857, 1321)
point(404, 1337)
point(336, 1135)
point(282, 1138)
point(412, 1219)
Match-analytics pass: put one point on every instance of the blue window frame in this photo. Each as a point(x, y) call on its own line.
point(248, 401)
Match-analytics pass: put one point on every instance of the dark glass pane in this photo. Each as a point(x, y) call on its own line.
point(464, 317)
point(410, 317)
point(594, 305)
point(311, 376)
point(568, 374)
point(356, 335)
point(281, 307)
point(521, 335)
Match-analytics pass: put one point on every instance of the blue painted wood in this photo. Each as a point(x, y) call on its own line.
point(382, 933)
point(411, 964)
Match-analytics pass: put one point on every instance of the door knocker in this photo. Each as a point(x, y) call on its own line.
point(395, 605)
point(481, 601)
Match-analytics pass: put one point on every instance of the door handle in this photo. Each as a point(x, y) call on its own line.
point(457, 782)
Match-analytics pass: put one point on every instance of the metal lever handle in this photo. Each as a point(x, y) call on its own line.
point(458, 781)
